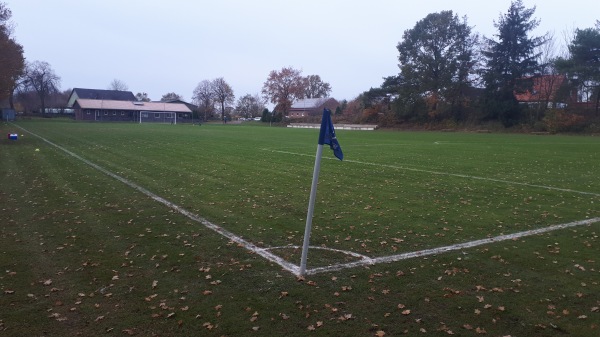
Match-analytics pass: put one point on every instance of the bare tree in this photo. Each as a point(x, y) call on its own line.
point(223, 94)
point(204, 98)
point(315, 87)
point(118, 85)
point(250, 106)
point(40, 77)
point(283, 87)
point(549, 79)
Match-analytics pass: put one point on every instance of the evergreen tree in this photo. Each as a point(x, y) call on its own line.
point(510, 60)
point(583, 65)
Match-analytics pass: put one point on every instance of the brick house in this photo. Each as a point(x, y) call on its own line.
point(544, 92)
point(311, 107)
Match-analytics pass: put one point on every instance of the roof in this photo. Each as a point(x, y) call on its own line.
point(131, 105)
point(544, 88)
point(309, 103)
point(116, 95)
point(189, 105)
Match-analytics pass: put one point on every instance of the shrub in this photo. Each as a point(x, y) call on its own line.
point(562, 121)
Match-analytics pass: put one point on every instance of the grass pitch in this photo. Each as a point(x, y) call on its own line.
point(85, 254)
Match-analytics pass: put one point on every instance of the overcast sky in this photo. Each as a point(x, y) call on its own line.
point(161, 46)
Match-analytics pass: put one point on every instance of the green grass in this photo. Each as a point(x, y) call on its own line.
point(102, 244)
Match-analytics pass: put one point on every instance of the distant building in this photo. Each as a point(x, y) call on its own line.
point(131, 111)
point(544, 92)
point(312, 107)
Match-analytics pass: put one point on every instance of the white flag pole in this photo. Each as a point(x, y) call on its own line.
point(311, 207)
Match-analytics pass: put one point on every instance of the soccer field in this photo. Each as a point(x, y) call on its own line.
point(396, 196)
point(396, 192)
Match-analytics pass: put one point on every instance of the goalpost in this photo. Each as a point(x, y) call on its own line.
point(163, 117)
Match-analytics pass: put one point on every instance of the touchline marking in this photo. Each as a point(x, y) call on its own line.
point(294, 269)
point(445, 174)
point(440, 250)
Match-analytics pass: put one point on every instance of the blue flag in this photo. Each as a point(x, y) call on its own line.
point(327, 135)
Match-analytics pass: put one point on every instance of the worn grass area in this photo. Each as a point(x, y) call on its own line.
point(84, 254)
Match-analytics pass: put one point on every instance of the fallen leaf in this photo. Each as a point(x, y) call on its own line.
point(130, 332)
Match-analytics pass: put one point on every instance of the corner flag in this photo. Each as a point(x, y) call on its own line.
point(327, 135)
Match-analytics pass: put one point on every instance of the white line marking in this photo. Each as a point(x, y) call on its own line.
point(346, 252)
point(445, 174)
point(294, 269)
point(459, 246)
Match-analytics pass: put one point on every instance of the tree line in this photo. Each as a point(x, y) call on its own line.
point(448, 75)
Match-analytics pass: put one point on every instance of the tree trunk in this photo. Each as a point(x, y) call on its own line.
point(223, 112)
point(597, 101)
point(11, 100)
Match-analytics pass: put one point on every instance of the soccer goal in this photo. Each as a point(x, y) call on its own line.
point(164, 117)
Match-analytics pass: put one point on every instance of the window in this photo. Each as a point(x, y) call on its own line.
point(88, 112)
point(144, 114)
point(114, 113)
point(156, 115)
point(122, 113)
point(105, 113)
